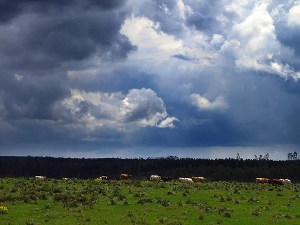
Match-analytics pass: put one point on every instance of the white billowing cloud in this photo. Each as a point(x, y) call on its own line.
point(257, 30)
point(203, 103)
point(285, 70)
point(238, 7)
point(143, 106)
point(257, 38)
point(168, 122)
point(139, 108)
point(151, 42)
point(294, 15)
point(157, 48)
point(181, 9)
point(255, 45)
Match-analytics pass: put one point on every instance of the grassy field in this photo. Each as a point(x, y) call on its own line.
point(52, 201)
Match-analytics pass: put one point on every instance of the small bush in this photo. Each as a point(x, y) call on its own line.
point(201, 216)
point(255, 213)
point(144, 201)
point(170, 193)
point(3, 209)
point(227, 214)
point(47, 206)
point(288, 216)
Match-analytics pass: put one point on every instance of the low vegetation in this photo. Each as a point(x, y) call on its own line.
point(78, 201)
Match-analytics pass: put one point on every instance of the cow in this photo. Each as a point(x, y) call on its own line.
point(125, 176)
point(103, 178)
point(198, 179)
point(276, 181)
point(280, 181)
point(262, 180)
point(167, 178)
point(273, 181)
point(286, 181)
point(40, 177)
point(185, 180)
point(155, 178)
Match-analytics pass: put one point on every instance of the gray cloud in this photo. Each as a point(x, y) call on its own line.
point(48, 39)
point(31, 97)
point(108, 75)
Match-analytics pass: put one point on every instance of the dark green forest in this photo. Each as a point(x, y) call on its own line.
point(140, 168)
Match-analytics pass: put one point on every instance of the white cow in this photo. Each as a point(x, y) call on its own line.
point(40, 177)
point(155, 177)
point(186, 180)
point(285, 181)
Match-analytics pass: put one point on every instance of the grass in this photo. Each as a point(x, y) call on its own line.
point(75, 201)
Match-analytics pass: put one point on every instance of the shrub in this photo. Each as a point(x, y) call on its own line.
point(3, 209)
point(255, 213)
point(144, 201)
point(227, 214)
point(201, 215)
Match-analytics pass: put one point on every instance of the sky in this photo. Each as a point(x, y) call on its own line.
point(150, 78)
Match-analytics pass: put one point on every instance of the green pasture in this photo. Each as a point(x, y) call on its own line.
point(77, 201)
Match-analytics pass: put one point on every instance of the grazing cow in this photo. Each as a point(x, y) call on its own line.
point(280, 181)
point(185, 180)
point(262, 180)
point(276, 181)
point(155, 177)
point(198, 179)
point(125, 176)
point(167, 178)
point(273, 181)
point(40, 177)
point(286, 181)
point(103, 178)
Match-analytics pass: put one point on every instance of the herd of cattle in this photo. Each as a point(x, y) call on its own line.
point(273, 181)
point(189, 180)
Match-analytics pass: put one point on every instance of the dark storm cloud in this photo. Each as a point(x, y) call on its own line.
point(40, 42)
point(121, 79)
point(106, 4)
point(289, 36)
point(202, 21)
point(182, 57)
point(204, 16)
point(39, 39)
point(11, 9)
point(31, 97)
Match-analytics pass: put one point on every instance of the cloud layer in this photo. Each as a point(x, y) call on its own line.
point(108, 75)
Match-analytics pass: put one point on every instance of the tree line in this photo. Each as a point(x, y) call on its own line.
point(140, 168)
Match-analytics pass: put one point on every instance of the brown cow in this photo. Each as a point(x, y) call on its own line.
point(273, 181)
point(262, 180)
point(104, 178)
point(276, 181)
point(125, 176)
point(198, 179)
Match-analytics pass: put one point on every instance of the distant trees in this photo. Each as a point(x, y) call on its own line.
point(219, 169)
point(261, 157)
point(292, 156)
